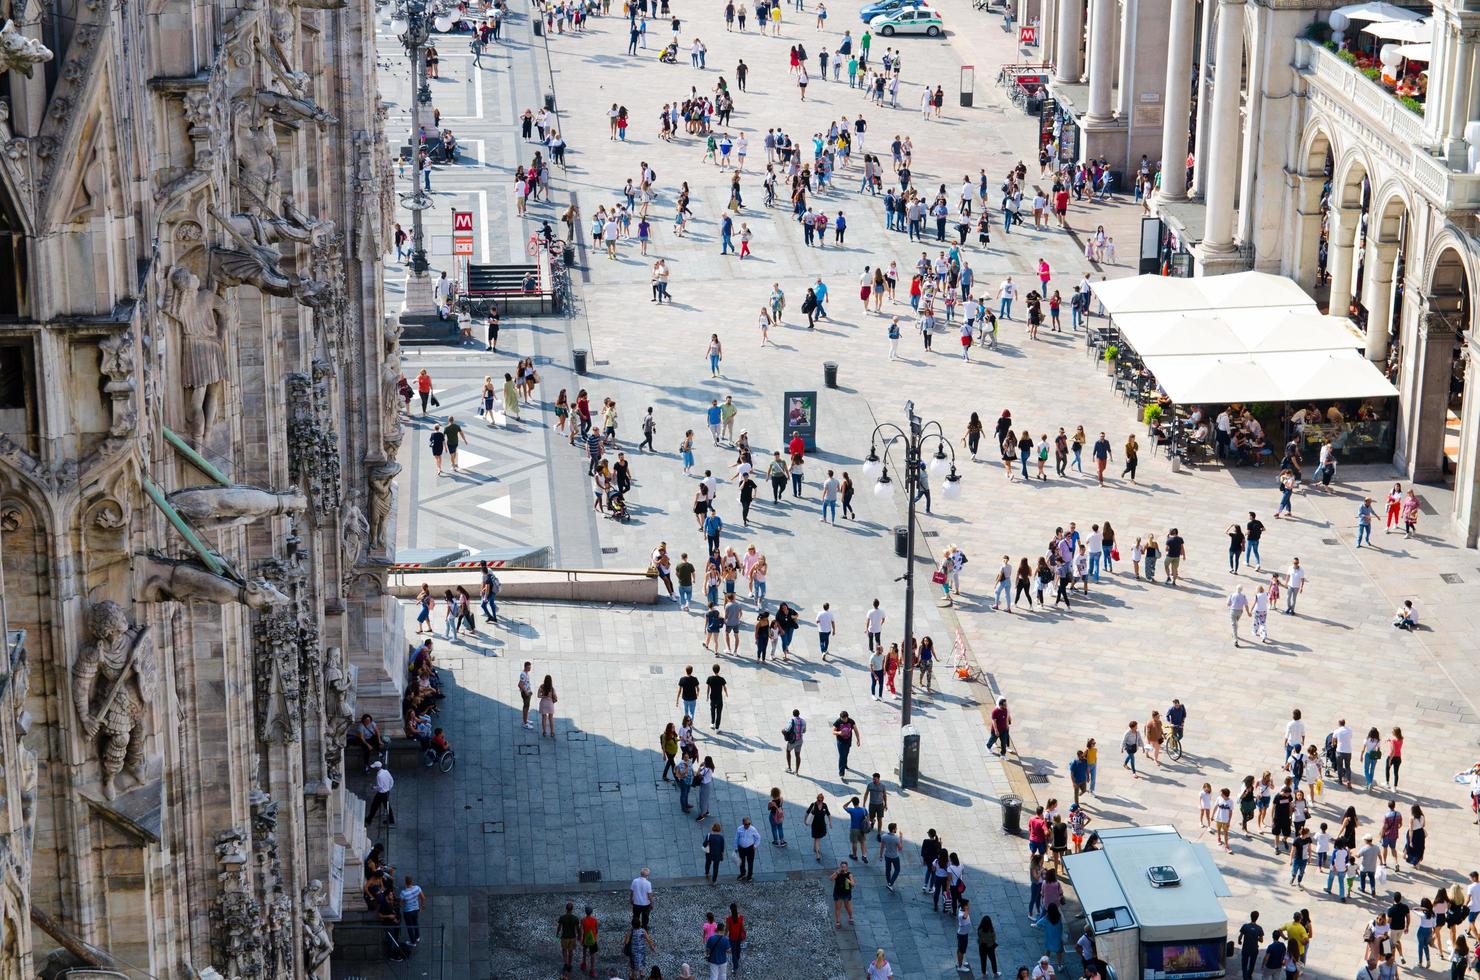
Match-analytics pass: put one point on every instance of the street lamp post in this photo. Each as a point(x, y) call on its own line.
point(912, 442)
point(412, 22)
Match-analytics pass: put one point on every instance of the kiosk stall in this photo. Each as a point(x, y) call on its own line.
point(1151, 898)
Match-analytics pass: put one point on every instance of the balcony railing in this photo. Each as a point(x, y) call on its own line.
point(1373, 114)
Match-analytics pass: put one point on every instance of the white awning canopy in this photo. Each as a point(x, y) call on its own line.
point(1415, 52)
point(1233, 332)
point(1170, 294)
point(1286, 376)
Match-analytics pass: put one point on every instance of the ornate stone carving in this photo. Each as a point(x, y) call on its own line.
point(313, 448)
point(171, 579)
point(56, 476)
point(352, 540)
point(203, 317)
point(116, 363)
point(256, 259)
point(280, 946)
point(20, 53)
point(113, 682)
point(211, 508)
point(382, 503)
point(236, 933)
point(293, 102)
point(390, 383)
point(316, 942)
point(277, 667)
point(339, 708)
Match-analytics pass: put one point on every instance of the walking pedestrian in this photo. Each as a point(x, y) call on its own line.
point(819, 819)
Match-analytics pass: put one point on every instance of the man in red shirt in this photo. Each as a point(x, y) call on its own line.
point(1001, 719)
point(1061, 206)
point(796, 447)
point(588, 942)
point(1037, 833)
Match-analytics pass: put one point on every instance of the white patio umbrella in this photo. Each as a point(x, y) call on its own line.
point(1412, 31)
point(1378, 11)
point(1415, 52)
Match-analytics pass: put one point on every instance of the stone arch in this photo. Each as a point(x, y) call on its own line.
point(1346, 179)
point(1448, 254)
point(1395, 203)
point(1382, 274)
point(1315, 144)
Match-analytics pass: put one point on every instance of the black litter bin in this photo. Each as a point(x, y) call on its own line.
point(549, 101)
point(570, 255)
point(830, 373)
point(902, 542)
point(1012, 814)
point(579, 356)
point(539, 26)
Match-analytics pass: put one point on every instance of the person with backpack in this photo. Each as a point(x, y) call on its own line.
point(489, 594)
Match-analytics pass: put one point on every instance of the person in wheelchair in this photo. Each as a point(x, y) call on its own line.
point(438, 751)
point(669, 55)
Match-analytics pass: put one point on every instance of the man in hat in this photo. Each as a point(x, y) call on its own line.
point(384, 783)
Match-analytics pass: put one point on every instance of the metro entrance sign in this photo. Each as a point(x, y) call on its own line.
point(462, 233)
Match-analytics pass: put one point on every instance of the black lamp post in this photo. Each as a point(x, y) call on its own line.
point(412, 22)
point(912, 442)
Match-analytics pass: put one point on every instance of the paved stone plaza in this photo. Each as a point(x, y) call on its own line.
point(520, 812)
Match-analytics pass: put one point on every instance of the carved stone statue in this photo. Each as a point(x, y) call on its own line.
point(280, 934)
point(257, 158)
point(112, 685)
point(20, 53)
point(339, 707)
point(352, 542)
point(203, 317)
point(209, 508)
point(169, 579)
point(116, 363)
point(316, 942)
point(382, 503)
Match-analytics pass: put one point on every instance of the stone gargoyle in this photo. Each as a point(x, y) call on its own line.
point(20, 53)
point(210, 508)
point(172, 579)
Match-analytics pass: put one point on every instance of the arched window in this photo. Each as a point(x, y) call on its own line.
point(13, 261)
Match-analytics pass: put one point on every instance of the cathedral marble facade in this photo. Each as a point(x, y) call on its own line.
point(198, 438)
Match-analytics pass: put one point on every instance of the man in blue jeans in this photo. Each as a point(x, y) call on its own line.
point(1365, 513)
point(1006, 293)
point(1254, 531)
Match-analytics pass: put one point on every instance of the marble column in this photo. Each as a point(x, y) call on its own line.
point(1101, 61)
point(1341, 231)
point(1070, 29)
point(1048, 23)
point(1459, 95)
point(1303, 255)
point(1179, 102)
point(1467, 474)
point(1202, 160)
point(1377, 296)
point(1223, 136)
point(1424, 454)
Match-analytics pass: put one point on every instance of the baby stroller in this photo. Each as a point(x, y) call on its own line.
point(669, 55)
point(1329, 754)
point(616, 507)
